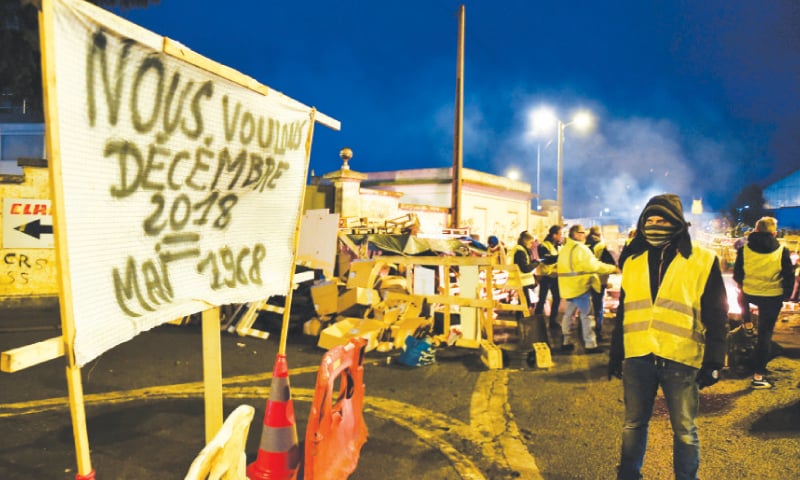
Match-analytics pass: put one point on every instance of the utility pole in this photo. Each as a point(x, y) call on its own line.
point(458, 157)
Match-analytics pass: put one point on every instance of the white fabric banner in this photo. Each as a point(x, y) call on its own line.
point(182, 189)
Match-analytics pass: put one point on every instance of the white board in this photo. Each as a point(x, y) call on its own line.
point(182, 189)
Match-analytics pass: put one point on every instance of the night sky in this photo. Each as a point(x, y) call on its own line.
point(698, 98)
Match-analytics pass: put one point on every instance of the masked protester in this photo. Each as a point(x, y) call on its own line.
point(670, 332)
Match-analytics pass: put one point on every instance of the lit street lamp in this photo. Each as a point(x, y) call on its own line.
point(582, 120)
point(540, 123)
point(539, 171)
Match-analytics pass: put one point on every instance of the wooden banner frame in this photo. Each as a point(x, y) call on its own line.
point(23, 357)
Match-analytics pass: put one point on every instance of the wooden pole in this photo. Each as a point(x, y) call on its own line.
point(288, 305)
point(73, 372)
point(212, 372)
point(458, 156)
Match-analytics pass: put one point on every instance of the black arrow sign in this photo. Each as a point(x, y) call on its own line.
point(35, 229)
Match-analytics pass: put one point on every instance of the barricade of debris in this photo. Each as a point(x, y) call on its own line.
point(374, 303)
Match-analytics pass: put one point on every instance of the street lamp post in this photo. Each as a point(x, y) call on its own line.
point(560, 179)
point(538, 174)
point(540, 119)
point(581, 120)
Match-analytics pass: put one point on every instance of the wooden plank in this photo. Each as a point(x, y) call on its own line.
point(178, 50)
point(52, 140)
point(248, 318)
point(212, 372)
point(266, 307)
point(253, 332)
point(287, 310)
point(329, 122)
point(181, 52)
point(488, 324)
point(80, 433)
point(349, 244)
point(21, 358)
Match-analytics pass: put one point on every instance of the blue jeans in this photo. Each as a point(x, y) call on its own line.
point(598, 305)
point(583, 305)
point(641, 377)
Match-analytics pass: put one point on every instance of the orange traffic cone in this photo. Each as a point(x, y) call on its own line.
point(279, 452)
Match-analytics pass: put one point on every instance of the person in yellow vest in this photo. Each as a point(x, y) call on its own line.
point(594, 240)
point(764, 273)
point(531, 329)
point(520, 255)
point(547, 273)
point(578, 275)
point(496, 249)
point(671, 330)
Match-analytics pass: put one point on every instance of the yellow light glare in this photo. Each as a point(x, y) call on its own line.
point(583, 120)
point(541, 120)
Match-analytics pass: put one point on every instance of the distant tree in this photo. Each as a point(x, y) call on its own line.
point(748, 206)
point(20, 56)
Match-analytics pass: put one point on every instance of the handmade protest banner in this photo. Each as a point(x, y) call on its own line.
point(182, 188)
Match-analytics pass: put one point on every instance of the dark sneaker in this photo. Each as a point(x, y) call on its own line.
point(594, 350)
point(760, 383)
point(568, 347)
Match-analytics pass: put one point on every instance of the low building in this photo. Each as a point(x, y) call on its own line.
point(490, 204)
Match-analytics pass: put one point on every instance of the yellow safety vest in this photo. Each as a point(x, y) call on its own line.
point(525, 278)
point(671, 327)
point(598, 252)
point(578, 270)
point(762, 273)
point(548, 270)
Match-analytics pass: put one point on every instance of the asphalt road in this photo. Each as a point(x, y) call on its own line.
point(451, 420)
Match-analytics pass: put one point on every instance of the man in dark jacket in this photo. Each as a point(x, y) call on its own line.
point(670, 331)
point(594, 240)
point(547, 274)
point(765, 275)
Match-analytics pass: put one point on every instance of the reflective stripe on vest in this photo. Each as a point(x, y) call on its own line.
point(548, 270)
point(670, 327)
point(525, 278)
point(762, 272)
point(574, 275)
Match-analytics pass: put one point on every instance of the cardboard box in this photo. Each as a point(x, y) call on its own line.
point(357, 296)
point(363, 274)
point(386, 314)
point(393, 283)
point(312, 327)
point(342, 331)
point(325, 296)
point(410, 305)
